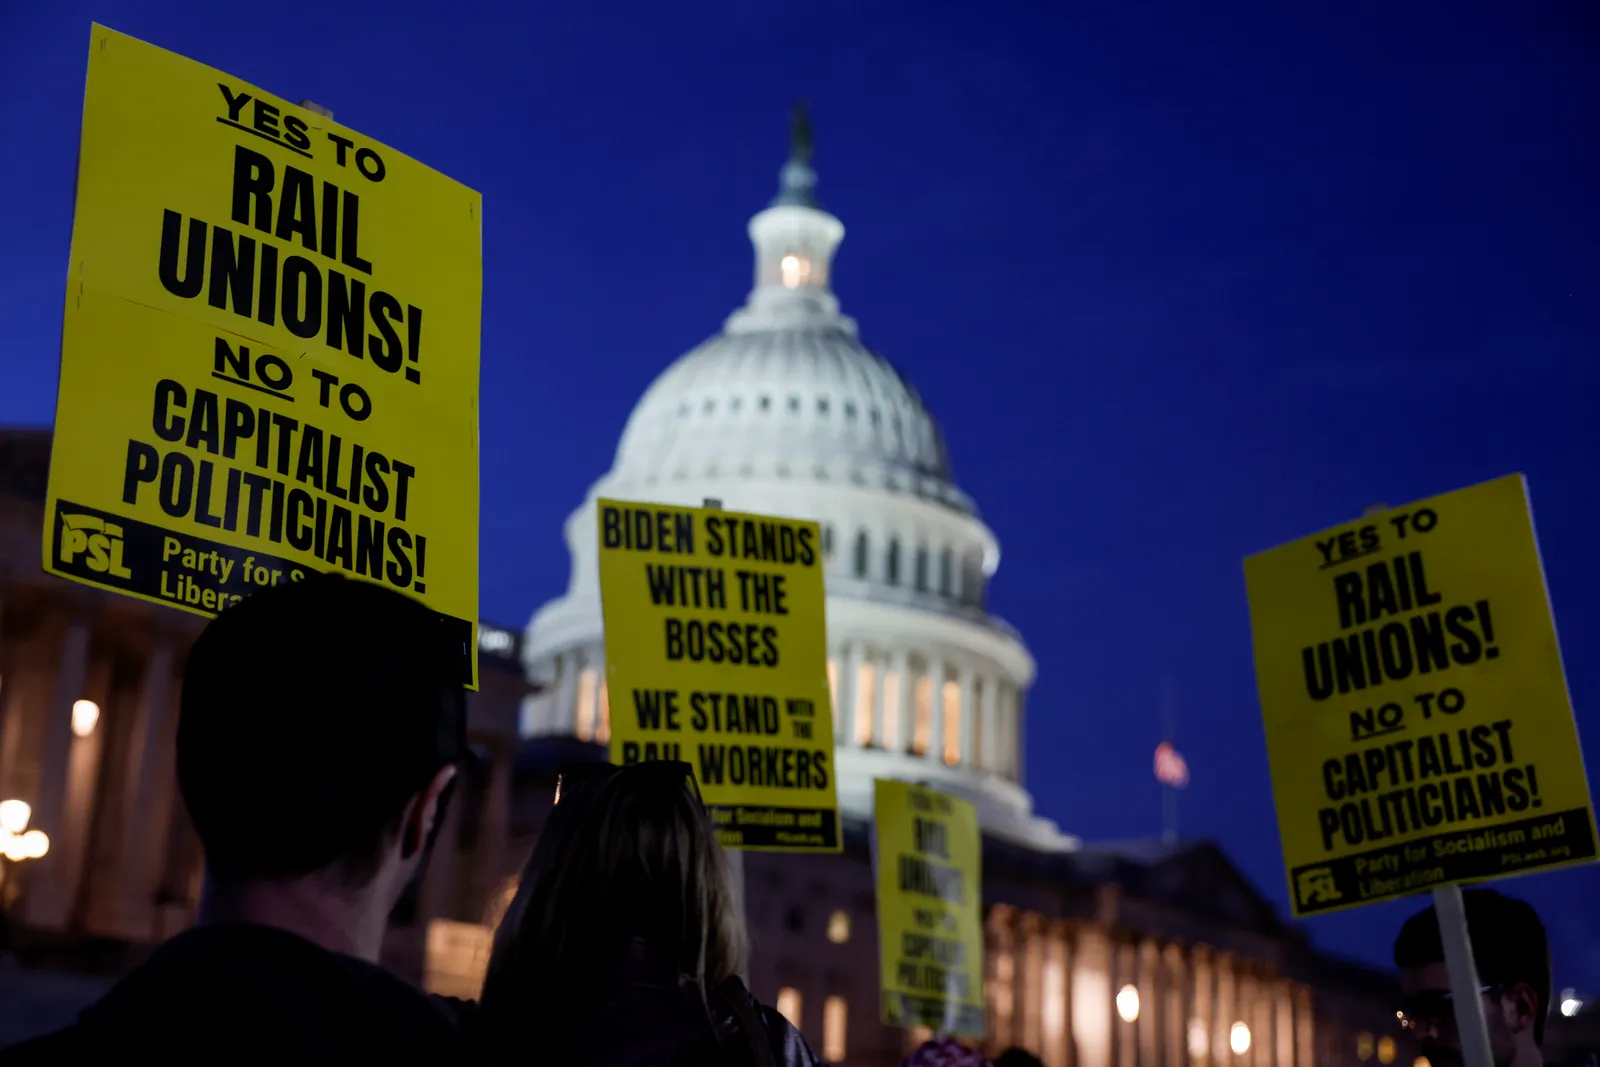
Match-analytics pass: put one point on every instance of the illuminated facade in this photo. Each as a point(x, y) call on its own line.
point(786, 412)
point(1141, 956)
point(1132, 955)
point(89, 686)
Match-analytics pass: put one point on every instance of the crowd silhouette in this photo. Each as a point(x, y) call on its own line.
point(321, 732)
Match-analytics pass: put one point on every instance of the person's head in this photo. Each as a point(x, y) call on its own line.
point(1017, 1057)
point(627, 854)
point(947, 1052)
point(318, 738)
point(1513, 958)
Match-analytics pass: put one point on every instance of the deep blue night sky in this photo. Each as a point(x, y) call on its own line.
point(1180, 281)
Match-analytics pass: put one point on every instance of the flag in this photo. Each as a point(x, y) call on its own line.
point(1170, 766)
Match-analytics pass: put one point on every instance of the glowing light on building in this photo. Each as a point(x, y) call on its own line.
point(796, 271)
point(14, 816)
point(85, 716)
point(1239, 1039)
point(29, 846)
point(835, 1021)
point(1128, 1003)
point(789, 1005)
point(1198, 1042)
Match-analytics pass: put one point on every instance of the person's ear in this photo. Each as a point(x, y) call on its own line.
point(1519, 1005)
point(425, 811)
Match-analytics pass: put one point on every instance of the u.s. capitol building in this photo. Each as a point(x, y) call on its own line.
point(786, 411)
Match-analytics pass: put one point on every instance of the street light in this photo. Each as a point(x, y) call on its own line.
point(17, 842)
point(1128, 1003)
point(1239, 1039)
point(29, 846)
point(14, 816)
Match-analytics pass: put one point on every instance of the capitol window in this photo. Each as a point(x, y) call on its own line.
point(789, 1005)
point(892, 569)
point(866, 686)
point(835, 1018)
point(794, 270)
point(921, 574)
point(588, 681)
point(862, 550)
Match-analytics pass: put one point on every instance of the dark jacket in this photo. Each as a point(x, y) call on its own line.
point(254, 994)
point(649, 1015)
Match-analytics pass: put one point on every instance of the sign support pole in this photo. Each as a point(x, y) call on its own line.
point(1465, 988)
point(1449, 909)
point(736, 856)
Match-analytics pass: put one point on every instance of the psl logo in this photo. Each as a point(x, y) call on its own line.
point(97, 541)
point(1317, 886)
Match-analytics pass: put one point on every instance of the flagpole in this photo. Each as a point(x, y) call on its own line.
point(1169, 795)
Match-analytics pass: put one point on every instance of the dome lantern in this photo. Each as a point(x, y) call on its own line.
point(794, 239)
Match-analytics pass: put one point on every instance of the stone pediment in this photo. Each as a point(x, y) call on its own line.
point(1202, 879)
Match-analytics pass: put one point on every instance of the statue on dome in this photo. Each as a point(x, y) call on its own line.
point(800, 134)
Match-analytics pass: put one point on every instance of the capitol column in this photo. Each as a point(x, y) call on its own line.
point(13, 655)
point(45, 904)
point(989, 703)
point(1305, 1028)
point(844, 721)
point(968, 712)
point(897, 701)
point(145, 817)
point(564, 716)
point(936, 679)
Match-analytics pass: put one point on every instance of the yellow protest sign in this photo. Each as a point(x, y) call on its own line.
point(930, 925)
point(1416, 710)
point(269, 359)
point(716, 654)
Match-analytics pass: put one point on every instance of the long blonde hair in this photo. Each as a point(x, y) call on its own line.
point(627, 853)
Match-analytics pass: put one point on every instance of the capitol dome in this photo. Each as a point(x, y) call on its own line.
point(786, 412)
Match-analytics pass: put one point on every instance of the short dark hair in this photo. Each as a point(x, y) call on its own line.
point(1018, 1057)
point(1509, 944)
point(312, 712)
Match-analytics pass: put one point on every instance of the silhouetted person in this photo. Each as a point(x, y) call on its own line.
point(1017, 1057)
point(1513, 957)
point(948, 1052)
point(318, 740)
point(623, 945)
